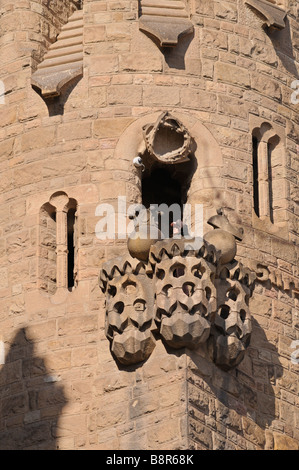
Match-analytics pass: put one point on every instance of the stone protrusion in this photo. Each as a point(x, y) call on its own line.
point(165, 21)
point(64, 60)
point(273, 15)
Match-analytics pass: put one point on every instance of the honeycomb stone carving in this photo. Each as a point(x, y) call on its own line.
point(129, 320)
point(232, 325)
point(185, 294)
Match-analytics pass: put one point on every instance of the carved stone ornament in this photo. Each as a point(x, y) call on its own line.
point(168, 141)
point(189, 292)
point(223, 237)
point(232, 326)
point(185, 292)
point(129, 305)
point(145, 234)
point(274, 17)
point(165, 21)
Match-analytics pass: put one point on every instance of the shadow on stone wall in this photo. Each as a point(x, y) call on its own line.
point(175, 56)
point(31, 400)
point(283, 45)
point(239, 405)
point(56, 104)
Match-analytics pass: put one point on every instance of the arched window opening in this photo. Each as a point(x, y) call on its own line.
point(255, 176)
point(270, 180)
point(71, 244)
point(264, 143)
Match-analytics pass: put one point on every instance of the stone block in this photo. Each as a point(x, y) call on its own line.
point(71, 131)
point(283, 442)
point(266, 86)
point(35, 139)
point(124, 95)
point(161, 96)
point(106, 128)
point(214, 39)
point(226, 11)
point(138, 62)
point(232, 74)
point(198, 99)
point(94, 33)
point(143, 405)
point(111, 416)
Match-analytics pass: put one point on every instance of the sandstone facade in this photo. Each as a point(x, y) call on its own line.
point(231, 82)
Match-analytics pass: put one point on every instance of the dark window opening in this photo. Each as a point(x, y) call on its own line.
point(256, 203)
point(160, 187)
point(271, 146)
point(270, 180)
point(167, 185)
point(243, 315)
point(71, 215)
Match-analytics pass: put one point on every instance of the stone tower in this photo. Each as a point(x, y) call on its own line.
point(126, 342)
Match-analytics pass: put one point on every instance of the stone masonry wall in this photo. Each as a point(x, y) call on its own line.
point(59, 385)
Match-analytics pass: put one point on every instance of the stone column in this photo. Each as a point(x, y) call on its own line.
point(61, 203)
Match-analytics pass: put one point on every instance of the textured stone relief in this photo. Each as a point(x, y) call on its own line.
point(185, 294)
point(276, 277)
point(273, 16)
point(167, 140)
point(129, 322)
point(188, 292)
point(165, 21)
point(232, 327)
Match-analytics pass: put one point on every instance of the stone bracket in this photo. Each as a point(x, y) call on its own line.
point(50, 83)
point(64, 60)
point(274, 16)
point(165, 21)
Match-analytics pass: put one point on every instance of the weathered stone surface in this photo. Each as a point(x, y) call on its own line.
point(233, 76)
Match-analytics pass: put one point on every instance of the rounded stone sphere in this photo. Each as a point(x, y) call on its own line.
point(140, 242)
point(223, 241)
